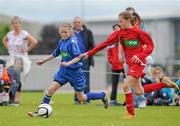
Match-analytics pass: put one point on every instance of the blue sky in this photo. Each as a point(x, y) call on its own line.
point(58, 10)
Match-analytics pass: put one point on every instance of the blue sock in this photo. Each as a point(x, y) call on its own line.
point(46, 99)
point(95, 96)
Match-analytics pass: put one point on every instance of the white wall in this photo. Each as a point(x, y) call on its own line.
point(162, 32)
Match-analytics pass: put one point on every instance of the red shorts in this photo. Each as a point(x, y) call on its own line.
point(136, 70)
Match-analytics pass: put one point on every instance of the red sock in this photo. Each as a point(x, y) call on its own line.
point(153, 87)
point(130, 103)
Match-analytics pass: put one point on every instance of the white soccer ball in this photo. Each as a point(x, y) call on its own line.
point(44, 110)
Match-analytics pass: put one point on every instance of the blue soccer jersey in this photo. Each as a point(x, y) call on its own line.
point(68, 49)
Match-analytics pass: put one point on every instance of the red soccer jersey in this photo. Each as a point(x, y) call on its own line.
point(132, 40)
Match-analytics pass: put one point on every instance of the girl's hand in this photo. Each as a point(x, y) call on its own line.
point(40, 62)
point(84, 55)
point(64, 64)
point(135, 59)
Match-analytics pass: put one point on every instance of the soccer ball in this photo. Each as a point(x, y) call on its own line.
point(44, 110)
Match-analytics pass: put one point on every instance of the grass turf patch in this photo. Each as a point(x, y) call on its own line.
point(65, 113)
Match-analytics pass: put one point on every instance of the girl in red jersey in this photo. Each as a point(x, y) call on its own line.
point(132, 39)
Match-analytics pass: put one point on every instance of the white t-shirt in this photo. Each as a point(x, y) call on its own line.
point(16, 43)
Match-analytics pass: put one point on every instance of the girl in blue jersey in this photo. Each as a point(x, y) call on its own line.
point(70, 70)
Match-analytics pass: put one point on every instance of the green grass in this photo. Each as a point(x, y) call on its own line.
point(65, 113)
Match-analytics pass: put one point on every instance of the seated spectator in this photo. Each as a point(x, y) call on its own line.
point(15, 84)
point(163, 96)
point(9, 81)
point(4, 84)
point(4, 77)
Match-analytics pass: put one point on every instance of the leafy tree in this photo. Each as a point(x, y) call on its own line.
point(50, 37)
point(4, 29)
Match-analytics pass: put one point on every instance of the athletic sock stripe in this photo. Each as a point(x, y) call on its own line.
point(48, 97)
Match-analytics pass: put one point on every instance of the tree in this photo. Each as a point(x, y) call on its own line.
point(50, 37)
point(4, 29)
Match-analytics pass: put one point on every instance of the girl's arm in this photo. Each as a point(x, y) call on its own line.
point(147, 51)
point(73, 61)
point(149, 45)
point(53, 55)
point(113, 38)
point(42, 61)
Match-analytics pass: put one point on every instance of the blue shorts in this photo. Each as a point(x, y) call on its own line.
point(74, 76)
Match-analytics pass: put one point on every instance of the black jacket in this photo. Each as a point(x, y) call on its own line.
point(89, 42)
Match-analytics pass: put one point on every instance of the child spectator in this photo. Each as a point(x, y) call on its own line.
point(115, 59)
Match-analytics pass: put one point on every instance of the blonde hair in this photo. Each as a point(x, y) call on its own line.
point(157, 68)
point(67, 25)
point(16, 18)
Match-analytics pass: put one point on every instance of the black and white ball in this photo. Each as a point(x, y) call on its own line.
point(44, 110)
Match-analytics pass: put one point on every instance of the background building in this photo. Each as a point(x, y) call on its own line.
point(161, 17)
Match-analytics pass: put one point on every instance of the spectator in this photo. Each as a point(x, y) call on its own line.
point(19, 43)
point(115, 59)
point(4, 84)
point(86, 42)
point(163, 96)
point(10, 77)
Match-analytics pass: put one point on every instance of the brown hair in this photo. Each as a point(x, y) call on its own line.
point(130, 8)
point(136, 17)
point(16, 18)
point(114, 26)
point(126, 15)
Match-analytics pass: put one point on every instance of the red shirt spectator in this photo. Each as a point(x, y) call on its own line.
point(113, 57)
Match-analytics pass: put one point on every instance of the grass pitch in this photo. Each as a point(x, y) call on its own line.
point(65, 113)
